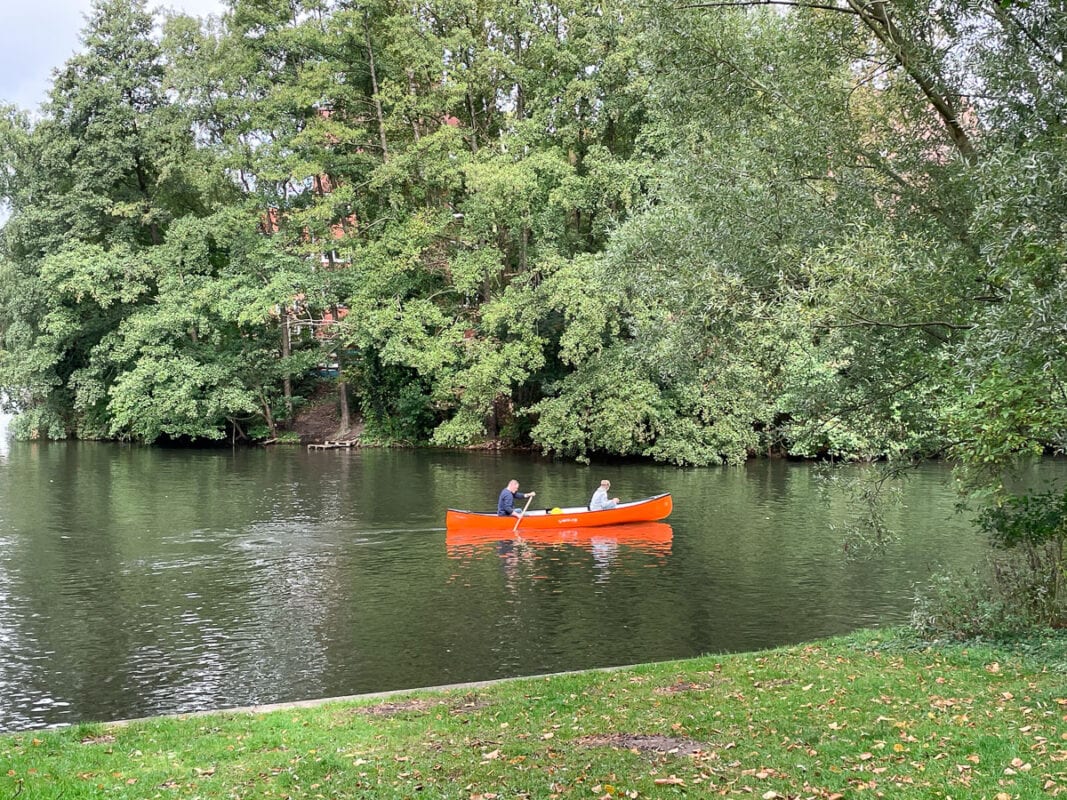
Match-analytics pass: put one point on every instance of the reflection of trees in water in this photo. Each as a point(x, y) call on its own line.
point(5, 443)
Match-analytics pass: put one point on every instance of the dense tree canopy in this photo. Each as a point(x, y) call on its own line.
point(692, 233)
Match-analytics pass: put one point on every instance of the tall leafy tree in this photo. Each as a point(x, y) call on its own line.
point(871, 195)
point(133, 309)
point(91, 189)
point(564, 169)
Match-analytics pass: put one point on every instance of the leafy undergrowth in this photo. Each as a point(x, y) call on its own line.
point(853, 717)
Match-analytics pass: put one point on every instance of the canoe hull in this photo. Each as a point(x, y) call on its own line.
point(651, 536)
point(649, 509)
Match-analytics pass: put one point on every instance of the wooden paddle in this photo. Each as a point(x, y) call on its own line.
point(523, 514)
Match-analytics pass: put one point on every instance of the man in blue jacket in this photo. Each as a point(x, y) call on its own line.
point(505, 506)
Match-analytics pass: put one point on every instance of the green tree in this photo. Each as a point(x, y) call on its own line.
point(91, 187)
point(881, 186)
point(141, 302)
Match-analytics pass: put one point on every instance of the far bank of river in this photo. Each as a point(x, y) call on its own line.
point(137, 581)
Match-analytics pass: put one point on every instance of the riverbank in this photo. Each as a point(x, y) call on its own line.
point(857, 716)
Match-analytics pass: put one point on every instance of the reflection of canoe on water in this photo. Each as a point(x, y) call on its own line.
point(645, 535)
point(647, 510)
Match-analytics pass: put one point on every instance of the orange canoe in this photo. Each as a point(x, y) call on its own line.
point(647, 510)
point(654, 536)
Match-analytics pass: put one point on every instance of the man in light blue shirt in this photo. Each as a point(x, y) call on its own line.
point(600, 501)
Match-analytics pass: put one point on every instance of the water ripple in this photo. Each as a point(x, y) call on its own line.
point(138, 581)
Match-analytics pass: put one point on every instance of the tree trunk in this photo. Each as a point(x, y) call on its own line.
point(342, 392)
point(520, 95)
point(524, 248)
point(413, 91)
point(875, 15)
point(374, 88)
point(287, 381)
point(268, 417)
point(474, 123)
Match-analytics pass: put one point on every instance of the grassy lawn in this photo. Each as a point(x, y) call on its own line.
point(848, 718)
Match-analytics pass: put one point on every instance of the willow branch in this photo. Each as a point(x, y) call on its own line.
point(878, 20)
point(870, 323)
point(1002, 15)
point(742, 3)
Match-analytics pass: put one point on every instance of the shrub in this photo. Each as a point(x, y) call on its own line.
point(1001, 599)
point(1034, 527)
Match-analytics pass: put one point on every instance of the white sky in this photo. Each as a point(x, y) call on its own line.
point(38, 36)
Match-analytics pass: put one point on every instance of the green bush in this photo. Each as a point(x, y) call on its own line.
point(1002, 599)
point(1034, 528)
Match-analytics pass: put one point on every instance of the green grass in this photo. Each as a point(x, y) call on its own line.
point(850, 718)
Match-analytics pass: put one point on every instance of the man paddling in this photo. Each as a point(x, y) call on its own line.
point(505, 506)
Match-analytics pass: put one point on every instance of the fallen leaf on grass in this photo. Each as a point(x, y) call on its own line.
point(671, 780)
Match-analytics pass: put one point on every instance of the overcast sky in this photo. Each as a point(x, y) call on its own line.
point(37, 36)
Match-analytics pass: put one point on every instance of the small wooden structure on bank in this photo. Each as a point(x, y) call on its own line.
point(332, 445)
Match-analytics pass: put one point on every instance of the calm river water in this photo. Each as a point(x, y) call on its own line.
point(137, 581)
